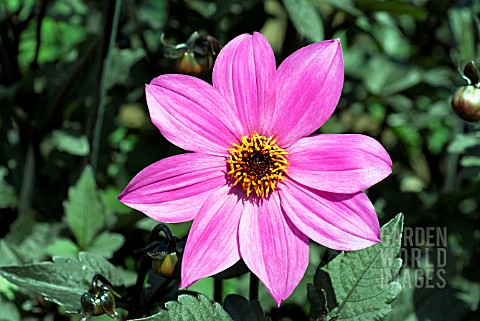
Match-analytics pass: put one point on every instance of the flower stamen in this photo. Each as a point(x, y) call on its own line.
point(257, 164)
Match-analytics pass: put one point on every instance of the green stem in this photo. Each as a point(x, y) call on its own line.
point(144, 266)
point(41, 15)
point(158, 295)
point(451, 171)
point(27, 182)
point(112, 11)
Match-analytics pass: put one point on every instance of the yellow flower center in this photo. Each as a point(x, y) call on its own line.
point(257, 164)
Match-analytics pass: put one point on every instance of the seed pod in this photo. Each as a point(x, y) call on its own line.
point(466, 103)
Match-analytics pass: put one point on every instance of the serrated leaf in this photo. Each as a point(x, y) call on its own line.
point(190, 308)
point(84, 213)
point(64, 280)
point(7, 257)
point(106, 244)
point(40, 235)
point(362, 280)
point(240, 309)
point(305, 18)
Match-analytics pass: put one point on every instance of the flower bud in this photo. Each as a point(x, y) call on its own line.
point(194, 64)
point(97, 301)
point(107, 302)
point(466, 103)
point(90, 306)
point(167, 265)
point(195, 56)
point(470, 73)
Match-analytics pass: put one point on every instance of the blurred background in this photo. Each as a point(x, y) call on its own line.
point(72, 76)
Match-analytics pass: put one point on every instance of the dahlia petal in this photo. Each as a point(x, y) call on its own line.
point(245, 74)
point(309, 84)
point(173, 189)
point(338, 163)
point(212, 244)
point(338, 221)
point(192, 114)
point(272, 247)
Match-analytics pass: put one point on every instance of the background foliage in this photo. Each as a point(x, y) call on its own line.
point(72, 77)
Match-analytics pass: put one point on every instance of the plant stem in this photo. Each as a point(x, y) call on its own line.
point(41, 15)
point(452, 161)
point(158, 295)
point(253, 293)
point(112, 13)
point(27, 182)
point(217, 290)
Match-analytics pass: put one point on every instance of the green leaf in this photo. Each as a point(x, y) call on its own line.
point(345, 5)
point(7, 257)
point(305, 18)
point(9, 311)
point(393, 7)
point(122, 61)
point(417, 303)
point(462, 142)
point(106, 244)
point(64, 280)
point(65, 142)
point(8, 197)
point(390, 77)
point(470, 161)
point(240, 309)
point(40, 235)
point(461, 24)
point(190, 308)
point(84, 213)
point(63, 247)
point(362, 280)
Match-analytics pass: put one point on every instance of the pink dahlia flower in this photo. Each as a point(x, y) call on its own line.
point(257, 187)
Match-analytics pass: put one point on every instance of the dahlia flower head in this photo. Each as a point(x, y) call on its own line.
point(255, 184)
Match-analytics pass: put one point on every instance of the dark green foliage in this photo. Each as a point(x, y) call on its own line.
point(240, 309)
point(74, 129)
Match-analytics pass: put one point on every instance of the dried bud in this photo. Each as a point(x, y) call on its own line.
point(466, 103)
